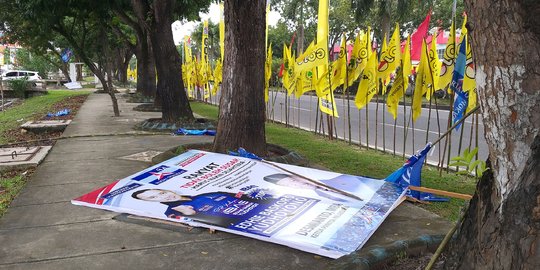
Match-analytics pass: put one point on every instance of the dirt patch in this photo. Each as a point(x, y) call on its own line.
point(45, 139)
point(414, 263)
point(156, 124)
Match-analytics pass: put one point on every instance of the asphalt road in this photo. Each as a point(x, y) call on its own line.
point(381, 129)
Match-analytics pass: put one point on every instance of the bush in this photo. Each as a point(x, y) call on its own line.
point(19, 87)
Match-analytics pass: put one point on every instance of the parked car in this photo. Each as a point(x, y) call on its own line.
point(19, 74)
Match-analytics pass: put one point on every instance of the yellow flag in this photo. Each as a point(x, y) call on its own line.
point(267, 72)
point(406, 63)
point(434, 70)
point(449, 59)
point(267, 13)
point(315, 55)
point(323, 85)
point(204, 46)
point(221, 32)
point(381, 73)
point(390, 57)
point(368, 84)
point(360, 56)
point(289, 76)
point(305, 83)
point(327, 104)
point(339, 67)
point(217, 76)
point(469, 80)
point(419, 83)
point(355, 60)
point(401, 82)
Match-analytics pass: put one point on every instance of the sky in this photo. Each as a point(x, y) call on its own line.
point(180, 29)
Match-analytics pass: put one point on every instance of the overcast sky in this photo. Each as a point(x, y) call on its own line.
point(180, 29)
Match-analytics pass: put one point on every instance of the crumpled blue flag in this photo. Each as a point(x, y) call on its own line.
point(59, 113)
point(411, 174)
point(183, 131)
point(462, 97)
point(244, 153)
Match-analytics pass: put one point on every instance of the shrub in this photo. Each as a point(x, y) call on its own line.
point(19, 87)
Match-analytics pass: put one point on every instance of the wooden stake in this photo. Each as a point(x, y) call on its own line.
point(442, 192)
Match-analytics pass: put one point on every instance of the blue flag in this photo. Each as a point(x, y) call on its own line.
point(411, 174)
point(66, 55)
point(462, 98)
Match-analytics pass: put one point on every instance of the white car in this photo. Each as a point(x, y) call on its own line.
point(19, 74)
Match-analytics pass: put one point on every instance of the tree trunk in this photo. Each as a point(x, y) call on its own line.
point(146, 67)
point(501, 226)
point(79, 73)
point(241, 113)
point(107, 69)
point(174, 102)
point(64, 68)
point(123, 57)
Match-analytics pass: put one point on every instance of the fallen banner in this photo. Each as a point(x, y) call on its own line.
point(250, 198)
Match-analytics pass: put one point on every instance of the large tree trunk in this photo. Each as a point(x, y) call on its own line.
point(174, 102)
point(241, 114)
point(146, 68)
point(501, 226)
point(123, 56)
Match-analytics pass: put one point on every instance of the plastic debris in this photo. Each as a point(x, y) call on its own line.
point(59, 113)
point(244, 153)
point(183, 131)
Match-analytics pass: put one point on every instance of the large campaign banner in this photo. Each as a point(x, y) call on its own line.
point(251, 198)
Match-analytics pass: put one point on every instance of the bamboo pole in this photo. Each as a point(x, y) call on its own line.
point(377, 119)
point(441, 192)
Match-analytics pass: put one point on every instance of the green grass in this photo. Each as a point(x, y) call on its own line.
point(12, 186)
point(31, 109)
point(12, 182)
point(341, 157)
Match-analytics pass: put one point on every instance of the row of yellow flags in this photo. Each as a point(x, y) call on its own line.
point(299, 78)
point(312, 70)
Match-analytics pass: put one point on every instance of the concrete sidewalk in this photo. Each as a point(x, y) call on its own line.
point(42, 230)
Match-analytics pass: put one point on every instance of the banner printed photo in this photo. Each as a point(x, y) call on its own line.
point(250, 198)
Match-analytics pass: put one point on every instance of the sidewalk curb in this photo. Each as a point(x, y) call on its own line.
point(379, 256)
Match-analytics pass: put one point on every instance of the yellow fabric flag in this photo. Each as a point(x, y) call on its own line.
point(315, 55)
point(469, 80)
point(221, 32)
point(339, 67)
point(305, 83)
point(401, 82)
point(218, 70)
point(449, 59)
point(289, 75)
point(368, 84)
point(406, 63)
point(355, 61)
point(360, 56)
point(381, 74)
point(434, 67)
point(204, 46)
point(322, 87)
point(267, 72)
point(390, 57)
point(327, 104)
point(420, 82)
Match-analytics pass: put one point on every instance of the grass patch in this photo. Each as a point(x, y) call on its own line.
point(10, 185)
point(32, 109)
point(341, 157)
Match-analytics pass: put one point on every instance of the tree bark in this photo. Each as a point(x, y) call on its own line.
point(174, 102)
point(241, 114)
point(501, 226)
point(146, 68)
